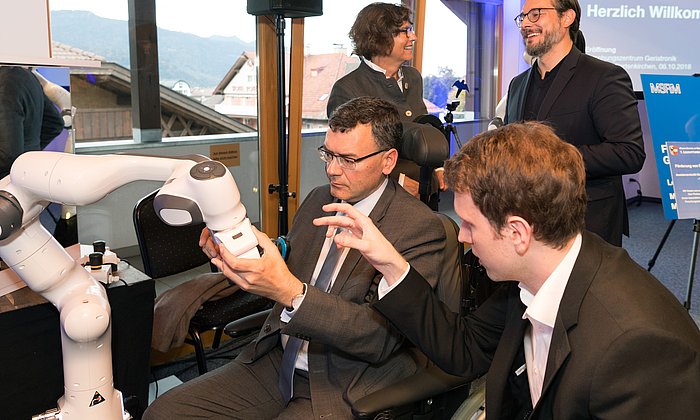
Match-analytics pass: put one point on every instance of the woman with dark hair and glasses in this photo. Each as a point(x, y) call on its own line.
point(383, 37)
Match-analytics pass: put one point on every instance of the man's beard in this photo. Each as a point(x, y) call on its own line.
point(551, 38)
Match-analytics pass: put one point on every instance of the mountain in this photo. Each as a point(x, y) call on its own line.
point(201, 62)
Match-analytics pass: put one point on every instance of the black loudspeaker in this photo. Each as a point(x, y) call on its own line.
point(287, 8)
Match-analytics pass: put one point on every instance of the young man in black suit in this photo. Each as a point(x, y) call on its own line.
point(579, 332)
point(589, 102)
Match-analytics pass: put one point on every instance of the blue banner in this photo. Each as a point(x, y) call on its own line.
point(684, 163)
point(673, 108)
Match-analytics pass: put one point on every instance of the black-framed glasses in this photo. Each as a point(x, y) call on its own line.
point(343, 161)
point(533, 15)
point(407, 31)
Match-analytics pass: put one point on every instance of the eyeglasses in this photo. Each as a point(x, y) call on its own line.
point(406, 30)
point(344, 162)
point(533, 15)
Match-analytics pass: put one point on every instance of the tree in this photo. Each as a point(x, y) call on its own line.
point(437, 88)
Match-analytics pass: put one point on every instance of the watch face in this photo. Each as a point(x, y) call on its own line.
point(296, 301)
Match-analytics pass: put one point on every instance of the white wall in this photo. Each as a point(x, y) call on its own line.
point(512, 51)
point(110, 219)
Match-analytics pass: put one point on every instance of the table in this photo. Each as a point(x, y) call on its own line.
point(31, 364)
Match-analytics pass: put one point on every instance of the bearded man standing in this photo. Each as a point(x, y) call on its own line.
point(589, 103)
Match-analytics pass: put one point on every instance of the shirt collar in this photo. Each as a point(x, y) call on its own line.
point(543, 306)
point(383, 71)
point(555, 69)
point(366, 205)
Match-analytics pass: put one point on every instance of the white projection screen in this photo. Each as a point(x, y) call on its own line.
point(644, 36)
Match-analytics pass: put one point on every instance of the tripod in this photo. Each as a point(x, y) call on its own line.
point(450, 129)
point(693, 257)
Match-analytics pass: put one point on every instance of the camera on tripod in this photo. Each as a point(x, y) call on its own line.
point(449, 129)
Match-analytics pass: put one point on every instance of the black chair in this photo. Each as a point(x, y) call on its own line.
point(167, 250)
point(424, 144)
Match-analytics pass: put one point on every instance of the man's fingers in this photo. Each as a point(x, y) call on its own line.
point(331, 207)
point(231, 275)
point(335, 222)
point(348, 240)
point(218, 263)
point(245, 265)
point(264, 241)
point(204, 236)
point(343, 208)
point(231, 260)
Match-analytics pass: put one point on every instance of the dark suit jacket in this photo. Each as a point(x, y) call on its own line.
point(28, 119)
point(622, 348)
point(352, 349)
point(363, 81)
point(592, 106)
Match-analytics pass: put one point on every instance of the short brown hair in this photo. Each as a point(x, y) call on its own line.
point(374, 29)
point(523, 169)
point(380, 114)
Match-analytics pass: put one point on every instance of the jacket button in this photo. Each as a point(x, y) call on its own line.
point(267, 328)
point(409, 113)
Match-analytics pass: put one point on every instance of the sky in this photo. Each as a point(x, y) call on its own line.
point(229, 18)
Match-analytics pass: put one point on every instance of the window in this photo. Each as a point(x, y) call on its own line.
point(459, 46)
point(327, 56)
point(206, 60)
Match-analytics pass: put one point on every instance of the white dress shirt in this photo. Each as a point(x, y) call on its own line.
point(542, 309)
point(365, 207)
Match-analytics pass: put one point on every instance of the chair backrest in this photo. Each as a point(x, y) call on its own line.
point(424, 144)
point(165, 249)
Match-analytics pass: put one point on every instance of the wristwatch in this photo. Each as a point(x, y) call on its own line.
point(296, 300)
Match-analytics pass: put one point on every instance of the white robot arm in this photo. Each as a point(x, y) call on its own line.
point(196, 189)
point(58, 96)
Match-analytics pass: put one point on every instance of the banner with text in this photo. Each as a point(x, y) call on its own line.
point(673, 108)
point(644, 36)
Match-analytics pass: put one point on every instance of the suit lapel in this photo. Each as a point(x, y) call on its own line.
point(519, 98)
point(354, 256)
point(565, 73)
point(559, 351)
point(310, 240)
point(305, 242)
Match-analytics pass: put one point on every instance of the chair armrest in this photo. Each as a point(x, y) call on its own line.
point(246, 324)
point(424, 384)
